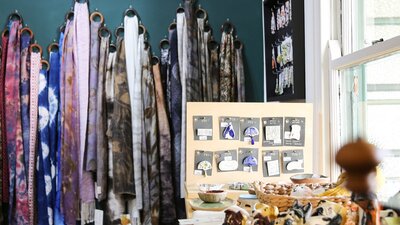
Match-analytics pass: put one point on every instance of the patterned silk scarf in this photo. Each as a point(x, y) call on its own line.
point(33, 106)
point(25, 97)
point(90, 157)
point(167, 206)
point(164, 69)
point(5, 171)
point(149, 141)
point(227, 73)
point(121, 129)
point(101, 118)
point(1, 161)
point(44, 175)
point(115, 204)
point(54, 127)
point(183, 60)
point(203, 60)
point(82, 59)
point(56, 65)
point(25, 80)
point(176, 117)
point(214, 71)
point(69, 137)
point(193, 79)
point(240, 73)
point(19, 213)
point(3, 149)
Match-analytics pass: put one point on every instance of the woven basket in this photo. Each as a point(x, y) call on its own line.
point(284, 202)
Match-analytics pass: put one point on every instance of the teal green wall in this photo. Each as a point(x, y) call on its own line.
point(45, 16)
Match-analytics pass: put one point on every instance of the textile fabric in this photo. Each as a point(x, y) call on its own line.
point(121, 127)
point(183, 57)
point(25, 77)
point(18, 199)
point(45, 166)
point(69, 137)
point(227, 66)
point(91, 146)
point(115, 204)
point(150, 172)
point(167, 206)
point(101, 118)
point(5, 172)
point(214, 73)
point(240, 74)
point(33, 136)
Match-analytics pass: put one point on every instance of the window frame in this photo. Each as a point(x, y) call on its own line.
point(338, 62)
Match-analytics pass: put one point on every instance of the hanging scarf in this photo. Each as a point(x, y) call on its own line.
point(227, 76)
point(1, 163)
point(176, 117)
point(3, 139)
point(149, 139)
point(137, 119)
point(183, 61)
point(25, 61)
point(133, 65)
point(193, 79)
point(82, 59)
point(115, 204)
point(19, 213)
point(167, 206)
point(44, 176)
point(121, 129)
point(1, 133)
point(54, 127)
point(207, 38)
point(101, 118)
point(25, 90)
point(240, 73)
point(53, 100)
point(91, 146)
point(69, 135)
point(164, 69)
point(33, 106)
point(202, 51)
point(214, 72)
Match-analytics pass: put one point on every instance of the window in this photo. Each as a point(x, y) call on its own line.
point(365, 83)
point(373, 20)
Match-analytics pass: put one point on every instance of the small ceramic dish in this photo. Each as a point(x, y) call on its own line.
point(212, 196)
point(309, 179)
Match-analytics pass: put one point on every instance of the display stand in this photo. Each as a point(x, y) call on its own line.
point(260, 111)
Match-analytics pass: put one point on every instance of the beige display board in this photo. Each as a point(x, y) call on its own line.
point(243, 110)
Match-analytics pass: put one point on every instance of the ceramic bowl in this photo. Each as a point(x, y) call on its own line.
point(212, 196)
point(309, 179)
point(210, 187)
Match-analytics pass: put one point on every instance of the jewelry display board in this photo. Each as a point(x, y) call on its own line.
point(284, 50)
point(247, 165)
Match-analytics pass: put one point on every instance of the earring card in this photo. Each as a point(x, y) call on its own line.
point(202, 128)
point(294, 131)
point(224, 122)
point(201, 156)
point(228, 155)
point(273, 131)
point(293, 161)
point(247, 130)
point(243, 154)
point(271, 163)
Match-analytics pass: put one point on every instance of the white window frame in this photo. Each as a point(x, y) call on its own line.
point(338, 63)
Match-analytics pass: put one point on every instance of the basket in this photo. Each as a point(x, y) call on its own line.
point(285, 201)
